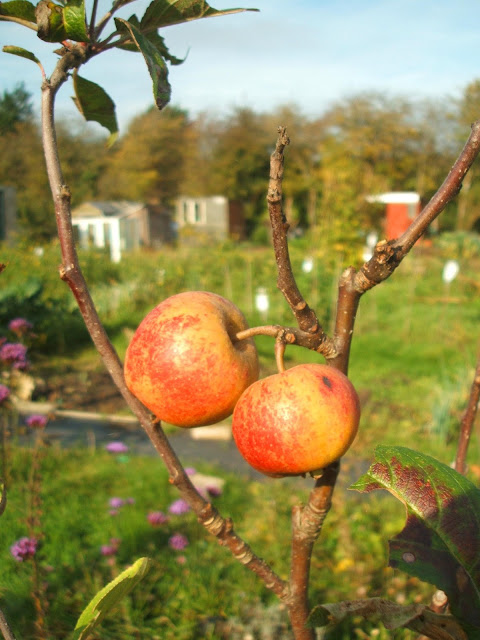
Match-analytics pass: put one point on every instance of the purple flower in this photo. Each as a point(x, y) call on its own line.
point(190, 471)
point(20, 326)
point(178, 542)
point(110, 549)
point(156, 518)
point(23, 549)
point(15, 354)
point(113, 512)
point(36, 421)
point(179, 507)
point(116, 503)
point(4, 393)
point(116, 447)
point(129, 500)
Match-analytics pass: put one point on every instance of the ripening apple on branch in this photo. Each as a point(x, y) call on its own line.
point(185, 363)
point(297, 421)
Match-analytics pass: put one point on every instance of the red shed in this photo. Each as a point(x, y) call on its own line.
point(402, 207)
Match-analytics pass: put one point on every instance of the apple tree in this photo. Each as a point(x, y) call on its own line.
point(441, 539)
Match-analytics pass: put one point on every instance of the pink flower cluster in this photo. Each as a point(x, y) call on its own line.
point(110, 549)
point(20, 326)
point(36, 421)
point(116, 504)
point(14, 354)
point(4, 393)
point(157, 518)
point(178, 542)
point(116, 447)
point(24, 548)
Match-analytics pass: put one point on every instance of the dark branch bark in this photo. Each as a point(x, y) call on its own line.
point(468, 421)
point(307, 522)
point(71, 273)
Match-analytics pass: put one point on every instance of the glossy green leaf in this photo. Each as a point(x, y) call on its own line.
point(153, 36)
point(22, 53)
point(108, 598)
point(440, 542)
point(18, 9)
point(163, 13)
point(156, 65)
point(50, 22)
point(392, 615)
point(95, 104)
point(75, 20)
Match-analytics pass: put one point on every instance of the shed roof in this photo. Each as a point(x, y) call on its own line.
point(107, 209)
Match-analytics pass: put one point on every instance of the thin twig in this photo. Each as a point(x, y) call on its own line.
point(468, 421)
point(291, 336)
point(306, 317)
point(71, 273)
point(93, 17)
point(4, 628)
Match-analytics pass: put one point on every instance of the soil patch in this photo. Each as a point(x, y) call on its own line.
point(84, 390)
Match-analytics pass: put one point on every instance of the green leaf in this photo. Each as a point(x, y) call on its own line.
point(95, 104)
point(440, 542)
point(50, 22)
point(155, 63)
point(163, 13)
point(75, 20)
point(108, 598)
point(392, 615)
point(23, 53)
point(18, 9)
point(153, 36)
point(59, 22)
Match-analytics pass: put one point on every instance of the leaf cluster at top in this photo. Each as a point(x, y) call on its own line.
point(67, 23)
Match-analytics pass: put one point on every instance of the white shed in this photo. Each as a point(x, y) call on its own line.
point(115, 225)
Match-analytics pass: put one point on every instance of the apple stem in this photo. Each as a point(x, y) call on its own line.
point(280, 347)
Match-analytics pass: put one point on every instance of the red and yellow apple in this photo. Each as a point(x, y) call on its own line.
point(184, 362)
point(297, 421)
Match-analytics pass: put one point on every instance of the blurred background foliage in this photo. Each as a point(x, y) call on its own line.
point(365, 144)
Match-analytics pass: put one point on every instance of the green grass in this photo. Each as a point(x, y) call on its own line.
point(415, 341)
point(413, 358)
point(181, 601)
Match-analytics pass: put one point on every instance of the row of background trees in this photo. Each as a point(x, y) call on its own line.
point(365, 144)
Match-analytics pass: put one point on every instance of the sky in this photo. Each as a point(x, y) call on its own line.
point(311, 53)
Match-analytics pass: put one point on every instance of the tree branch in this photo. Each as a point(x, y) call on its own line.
point(71, 273)
point(306, 317)
point(468, 420)
point(307, 522)
point(4, 628)
point(388, 255)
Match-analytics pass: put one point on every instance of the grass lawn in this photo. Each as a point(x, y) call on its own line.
point(413, 358)
point(198, 592)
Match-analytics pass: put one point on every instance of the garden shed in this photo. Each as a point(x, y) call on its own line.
point(401, 208)
point(215, 216)
point(121, 226)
